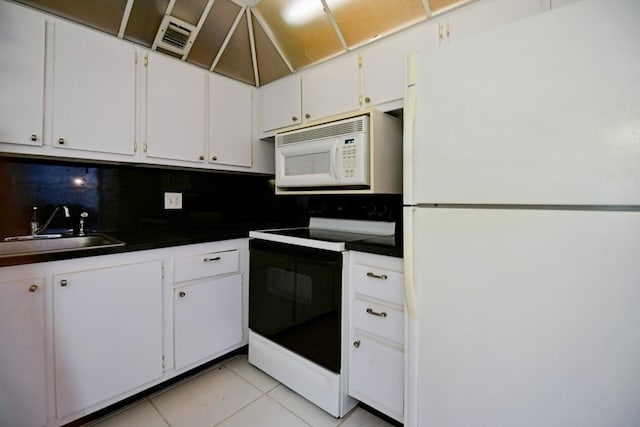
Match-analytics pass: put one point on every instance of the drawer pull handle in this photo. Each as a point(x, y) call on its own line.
point(375, 313)
point(377, 276)
point(356, 344)
point(212, 259)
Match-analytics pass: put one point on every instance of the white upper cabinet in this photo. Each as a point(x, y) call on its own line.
point(479, 16)
point(175, 110)
point(331, 88)
point(230, 130)
point(22, 43)
point(383, 69)
point(280, 103)
point(94, 82)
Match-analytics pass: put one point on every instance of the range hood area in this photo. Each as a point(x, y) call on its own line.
point(253, 41)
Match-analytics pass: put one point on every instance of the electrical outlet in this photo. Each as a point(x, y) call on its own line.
point(173, 200)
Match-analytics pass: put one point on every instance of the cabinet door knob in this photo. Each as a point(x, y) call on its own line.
point(201, 157)
point(63, 283)
point(294, 119)
point(377, 276)
point(356, 344)
point(307, 116)
point(182, 294)
point(61, 141)
point(367, 99)
point(214, 158)
point(375, 313)
point(33, 288)
point(34, 137)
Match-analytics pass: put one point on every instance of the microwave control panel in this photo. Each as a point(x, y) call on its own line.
point(349, 158)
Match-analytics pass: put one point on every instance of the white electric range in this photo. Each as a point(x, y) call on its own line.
point(296, 294)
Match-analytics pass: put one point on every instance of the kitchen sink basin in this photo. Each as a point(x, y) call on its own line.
point(36, 245)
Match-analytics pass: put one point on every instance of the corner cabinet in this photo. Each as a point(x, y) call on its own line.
point(98, 316)
point(175, 104)
point(22, 43)
point(376, 332)
point(22, 353)
point(230, 125)
point(94, 87)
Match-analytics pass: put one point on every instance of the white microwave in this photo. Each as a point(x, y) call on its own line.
point(337, 155)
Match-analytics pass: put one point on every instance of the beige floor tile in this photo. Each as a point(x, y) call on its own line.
point(205, 400)
point(303, 408)
point(241, 366)
point(141, 414)
point(263, 412)
point(361, 418)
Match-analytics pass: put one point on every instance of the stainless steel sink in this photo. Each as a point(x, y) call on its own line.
point(35, 245)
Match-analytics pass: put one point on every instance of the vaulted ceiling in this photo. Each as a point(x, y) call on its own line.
point(254, 41)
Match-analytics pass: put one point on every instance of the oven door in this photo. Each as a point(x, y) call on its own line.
point(295, 299)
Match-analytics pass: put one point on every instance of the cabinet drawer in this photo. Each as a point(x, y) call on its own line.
point(205, 265)
point(376, 375)
point(378, 320)
point(379, 283)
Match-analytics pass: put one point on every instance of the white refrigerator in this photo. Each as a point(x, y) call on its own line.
point(522, 224)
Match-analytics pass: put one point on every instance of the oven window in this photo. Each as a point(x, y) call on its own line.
point(295, 299)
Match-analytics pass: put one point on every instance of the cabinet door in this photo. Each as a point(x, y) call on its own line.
point(22, 37)
point(94, 87)
point(208, 319)
point(107, 333)
point(176, 102)
point(280, 104)
point(480, 16)
point(331, 88)
point(22, 353)
point(230, 136)
point(376, 375)
point(383, 68)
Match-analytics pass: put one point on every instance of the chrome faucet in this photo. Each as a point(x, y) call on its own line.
point(81, 231)
point(36, 228)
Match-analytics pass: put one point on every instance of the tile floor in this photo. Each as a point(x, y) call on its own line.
point(231, 394)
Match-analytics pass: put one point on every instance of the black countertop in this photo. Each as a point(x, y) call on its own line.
point(384, 245)
point(155, 239)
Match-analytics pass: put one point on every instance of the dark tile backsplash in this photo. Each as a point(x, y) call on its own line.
point(131, 198)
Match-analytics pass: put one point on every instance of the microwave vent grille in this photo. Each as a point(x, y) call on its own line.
point(325, 131)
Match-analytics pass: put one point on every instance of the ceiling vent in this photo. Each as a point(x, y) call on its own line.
point(175, 35)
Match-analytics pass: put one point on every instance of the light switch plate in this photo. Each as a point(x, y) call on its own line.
point(173, 200)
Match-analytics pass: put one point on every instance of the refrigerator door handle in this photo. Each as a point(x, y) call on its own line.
point(409, 285)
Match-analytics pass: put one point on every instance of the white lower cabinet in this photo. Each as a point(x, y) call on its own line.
point(107, 333)
point(78, 335)
point(22, 353)
point(376, 332)
point(207, 306)
point(208, 319)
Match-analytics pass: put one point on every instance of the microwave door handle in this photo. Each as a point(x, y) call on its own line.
point(334, 162)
